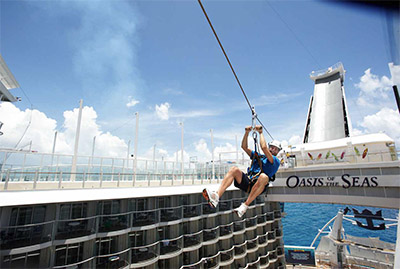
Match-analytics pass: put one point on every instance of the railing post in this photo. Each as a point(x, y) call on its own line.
point(119, 179)
point(60, 180)
point(101, 179)
point(35, 179)
point(112, 169)
point(84, 179)
point(7, 179)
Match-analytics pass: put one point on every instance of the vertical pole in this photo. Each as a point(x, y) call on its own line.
point(212, 155)
point(54, 149)
point(78, 129)
point(136, 148)
point(396, 95)
point(182, 168)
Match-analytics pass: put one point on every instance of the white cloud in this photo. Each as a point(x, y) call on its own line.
point(42, 129)
point(132, 102)
point(295, 140)
point(162, 111)
point(395, 72)
point(374, 91)
point(386, 120)
point(172, 91)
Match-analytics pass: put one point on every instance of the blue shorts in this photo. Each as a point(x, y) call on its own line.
point(246, 185)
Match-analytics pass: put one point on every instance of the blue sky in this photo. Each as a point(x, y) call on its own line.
point(162, 59)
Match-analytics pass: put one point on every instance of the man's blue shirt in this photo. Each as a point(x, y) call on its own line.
point(268, 168)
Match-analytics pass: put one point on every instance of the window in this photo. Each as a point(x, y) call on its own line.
point(27, 215)
point(24, 260)
point(138, 238)
point(164, 202)
point(106, 245)
point(108, 207)
point(69, 254)
point(73, 211)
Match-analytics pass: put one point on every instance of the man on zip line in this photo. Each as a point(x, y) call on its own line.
point(256, 180)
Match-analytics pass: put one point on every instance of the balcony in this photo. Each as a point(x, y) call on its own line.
point(225, 230)
point(145, 218)
point(207, 209)
point(112, 261)
point(261, 219)
point(210, 234)
point(191, 240)
point(252, 245)
point(113, 222)
point(225, 206)
point(262, 240)
point(25, 235)
point(170, 214)
point(191, 211)
point(251, 222)
point(75, 228)
point(240, 250)
point(169, 246)
point(226, 257)
point(145, 254)
point(238, 226)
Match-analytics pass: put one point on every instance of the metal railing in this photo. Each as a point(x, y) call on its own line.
point(37, 168)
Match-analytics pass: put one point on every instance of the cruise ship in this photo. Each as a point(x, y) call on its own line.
point(71, 211)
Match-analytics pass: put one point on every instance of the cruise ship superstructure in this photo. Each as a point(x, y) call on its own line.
point(137, 213)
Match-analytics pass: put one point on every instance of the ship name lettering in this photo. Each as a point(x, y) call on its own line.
point(350, 181)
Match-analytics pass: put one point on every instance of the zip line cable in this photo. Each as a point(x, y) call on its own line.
point(294, 34)
point(230, 65)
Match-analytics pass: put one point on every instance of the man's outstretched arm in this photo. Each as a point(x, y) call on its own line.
point(264, 145)
point(245, 147)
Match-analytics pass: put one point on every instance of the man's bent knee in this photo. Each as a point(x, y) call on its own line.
point(263, 179)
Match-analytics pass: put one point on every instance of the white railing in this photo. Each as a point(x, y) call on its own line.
point(37, 168)
point(324, 71)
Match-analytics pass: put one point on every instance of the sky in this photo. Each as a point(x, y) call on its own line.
point(161, 60)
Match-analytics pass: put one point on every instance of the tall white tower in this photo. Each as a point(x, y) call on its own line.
point(327, 118)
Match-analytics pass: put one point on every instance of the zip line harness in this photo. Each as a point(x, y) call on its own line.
point(253, 172)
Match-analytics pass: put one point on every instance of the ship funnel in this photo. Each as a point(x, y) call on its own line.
point(327, 118)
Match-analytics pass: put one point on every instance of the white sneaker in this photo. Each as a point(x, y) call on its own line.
point(211, 197)
point(241, 210)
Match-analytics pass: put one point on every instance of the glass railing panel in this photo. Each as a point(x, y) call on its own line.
point(270, 216)
point(207, 209)
point(210, 234)
point(272, 255)
point(225, 205)
point(141, 254)
point(251, 244)
point(260, 199)
point(225, 229)
point(113, 222)
point(197, 265)
point(190, 211)
point(278, 232)
point(262, 239)
point(239, 226)
point(277, 214)
point(264, 260)
point(144, 218)
point(113, 261)
point(239, 250)
point(170, 245)
point(26, 235)
point(251, 222)
point(271, 235)
point(226, 255)
point(170, 214)
point(261, 219)
point(237, 202)
point(192, 239)
point(279, 251)
point(211, 262)
point(75, 228)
